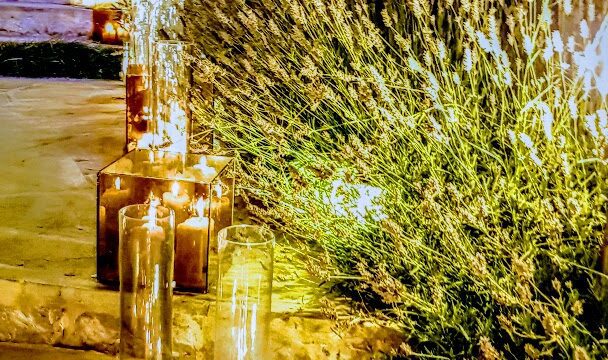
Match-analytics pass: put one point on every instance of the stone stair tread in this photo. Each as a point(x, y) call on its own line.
point(44, 21)
point(34, 4)
point(64, 2)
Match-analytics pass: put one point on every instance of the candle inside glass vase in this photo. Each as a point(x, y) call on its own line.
point(138, 103)
point(146, 273)
point(191, 249)
point(178, 200)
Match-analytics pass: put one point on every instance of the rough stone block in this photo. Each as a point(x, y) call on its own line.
point(43, 314)
point(44, 21)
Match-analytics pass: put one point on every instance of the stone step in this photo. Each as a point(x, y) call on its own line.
point(61, 2)
point(29, 21)
point(85, 3)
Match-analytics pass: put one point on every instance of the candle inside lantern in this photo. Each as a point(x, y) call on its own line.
point(178, 201)
point(141, 244)
point(204, 170)
point(191, 249)
point(151, 167)
point(111, 201)
point(115, 198)
point(220, 207)
point(172, 180)
point(109, 34)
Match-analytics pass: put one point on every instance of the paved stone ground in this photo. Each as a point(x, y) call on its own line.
point(56, 135)
point(40, 352)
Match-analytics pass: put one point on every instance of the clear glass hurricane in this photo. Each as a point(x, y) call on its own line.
point(244, 292)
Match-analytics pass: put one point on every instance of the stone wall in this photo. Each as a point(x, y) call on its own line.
point(37, 21)
point(85, 318)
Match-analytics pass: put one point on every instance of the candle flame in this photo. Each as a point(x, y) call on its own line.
point(218, 189)
point(109, 28)
point(175, 189)
point(152, 211)
point(200, 207)
point(117, 183)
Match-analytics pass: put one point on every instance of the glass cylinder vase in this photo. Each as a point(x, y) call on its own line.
point(171, 83)
point(142, 33)
point(244, 292)
point(146, 275)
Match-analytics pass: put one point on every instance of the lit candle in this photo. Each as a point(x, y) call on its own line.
point(220, 207)
point(203, 170)
point(137, 100)
point(151, 167)
point(178, 201)
point(111, 201)
point(121, 33)
point(191, 243)
point(109, 34)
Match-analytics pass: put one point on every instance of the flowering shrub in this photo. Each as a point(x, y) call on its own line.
point(443, 162)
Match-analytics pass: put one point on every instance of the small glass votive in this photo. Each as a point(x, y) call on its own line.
point(171, 83)
point(244, 293)
point(146, 275)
